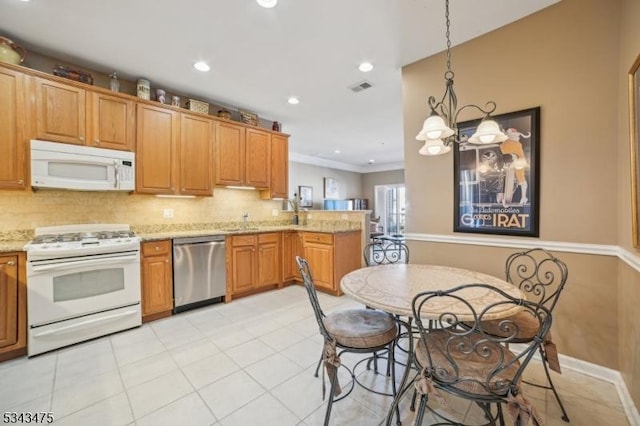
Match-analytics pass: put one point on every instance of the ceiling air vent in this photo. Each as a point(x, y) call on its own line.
point(359, 87)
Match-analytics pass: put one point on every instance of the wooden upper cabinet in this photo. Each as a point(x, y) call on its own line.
point(60, 112)
point(258, 158)
point(112, 121)
point(230, 151)
point(279, 187)
point(12, 130)
point(196, 151)
point(156, 150)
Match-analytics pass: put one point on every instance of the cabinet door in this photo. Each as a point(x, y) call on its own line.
point(12, 137)
point(320, 258)
point(258, 158)
point(269, 259)
point(156, 150)
point(230, 151)
point(279, 166)
point(157, 281)
point(112, 121)
point(289, 265)
point(196, 149)
point(243, 267)
point(8, 300)
point(60, 112)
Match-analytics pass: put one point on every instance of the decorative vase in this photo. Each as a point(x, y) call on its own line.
point(295, 219)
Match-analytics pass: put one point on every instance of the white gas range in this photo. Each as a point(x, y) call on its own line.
point(83, 281)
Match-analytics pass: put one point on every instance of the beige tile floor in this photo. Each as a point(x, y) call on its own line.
point(248, 362)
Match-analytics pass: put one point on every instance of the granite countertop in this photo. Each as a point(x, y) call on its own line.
point(14, 241)
point(12, 245)
point(168, 234)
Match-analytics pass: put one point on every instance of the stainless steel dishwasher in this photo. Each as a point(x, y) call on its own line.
point(199, 271)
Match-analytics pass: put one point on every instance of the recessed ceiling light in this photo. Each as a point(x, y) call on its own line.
point(337, 151)
point(267, 3)
point(365, 66)
point(202, 66)
point(293, 100)
point(372, 161)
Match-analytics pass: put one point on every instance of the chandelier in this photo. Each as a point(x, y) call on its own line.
point(440, 129)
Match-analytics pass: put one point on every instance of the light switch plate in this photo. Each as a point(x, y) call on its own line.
point(275, 212)
point(167, 213)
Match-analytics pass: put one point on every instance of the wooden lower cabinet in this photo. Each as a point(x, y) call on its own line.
point(332, 256)
point(13, 305)
point(253, 263)
point(157, 280)
point(291, 247)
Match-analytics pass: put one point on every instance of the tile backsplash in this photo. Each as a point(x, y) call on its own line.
point(24, 210)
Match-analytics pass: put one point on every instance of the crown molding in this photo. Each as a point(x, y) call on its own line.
point(332, 164)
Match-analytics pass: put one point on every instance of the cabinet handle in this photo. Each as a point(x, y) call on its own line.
point(157, 248)
point(11, 263)
point(166, 261)
point(97, 141)
point(21, 181)
point(81, 138)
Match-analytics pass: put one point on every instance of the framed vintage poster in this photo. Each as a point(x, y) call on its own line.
point(497, 186)
point(634, 135)
point(331, 188)
point(306, 196)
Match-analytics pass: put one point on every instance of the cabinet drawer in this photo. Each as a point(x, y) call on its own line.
point(316, 237)
point(155, 248)
point(271, 237)
point(243, 240)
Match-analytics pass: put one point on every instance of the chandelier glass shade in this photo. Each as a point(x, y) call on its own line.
point(439, 130)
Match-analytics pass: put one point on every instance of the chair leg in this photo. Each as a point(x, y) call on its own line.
point(565, 417)
point(391, 361)
point(421, 409)
point(318, 366)
point(331, 396)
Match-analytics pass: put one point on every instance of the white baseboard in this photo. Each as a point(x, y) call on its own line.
point(601, 373)
point(609, 375)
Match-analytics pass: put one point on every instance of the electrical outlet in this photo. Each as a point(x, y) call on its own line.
point(275, 212)
point(309, 215)
point(167, 213)
point(344, 216)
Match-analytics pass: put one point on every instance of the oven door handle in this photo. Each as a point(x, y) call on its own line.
point(84, 324)
point(89, 262)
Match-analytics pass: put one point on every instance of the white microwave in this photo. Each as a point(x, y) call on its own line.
point(81, 168)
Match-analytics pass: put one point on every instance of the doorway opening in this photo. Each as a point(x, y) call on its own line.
point(390, 207)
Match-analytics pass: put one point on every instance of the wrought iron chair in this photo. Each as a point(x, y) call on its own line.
point(461, 358)
point(541, 276)
point(353, 330)
point(385, 251)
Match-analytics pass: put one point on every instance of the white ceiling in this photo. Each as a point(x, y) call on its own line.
point(259, 57)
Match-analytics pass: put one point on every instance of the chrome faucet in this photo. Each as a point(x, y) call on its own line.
point(245, 216)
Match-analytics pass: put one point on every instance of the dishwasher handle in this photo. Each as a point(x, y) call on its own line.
point(209, 239)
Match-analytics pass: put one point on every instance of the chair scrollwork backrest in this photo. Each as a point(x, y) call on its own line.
point(384, 252)
point(307, 278)
point(539, 274)
point(458, 354)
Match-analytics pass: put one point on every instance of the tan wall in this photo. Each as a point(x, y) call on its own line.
point(565, 60)
point(370, 180)
point(629, 279)
point(350, 183)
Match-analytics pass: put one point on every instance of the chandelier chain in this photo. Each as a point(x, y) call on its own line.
point(448, 33)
